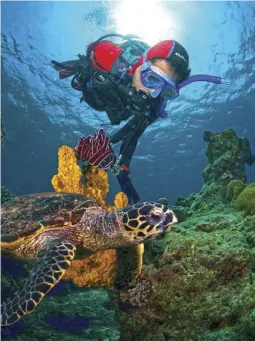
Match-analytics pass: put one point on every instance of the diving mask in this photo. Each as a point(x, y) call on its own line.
point(158, 82)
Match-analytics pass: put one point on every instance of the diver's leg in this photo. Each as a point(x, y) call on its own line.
point(127, 187)
point(131, 138)
point(125, 130)
point(127, 149)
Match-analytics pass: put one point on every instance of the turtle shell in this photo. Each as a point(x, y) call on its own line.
point(25, 214)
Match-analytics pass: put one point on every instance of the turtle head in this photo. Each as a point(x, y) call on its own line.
point(147, 220)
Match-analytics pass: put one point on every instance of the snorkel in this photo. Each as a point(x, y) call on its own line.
point(192, 79)
point(159, 81)
point(202, 78)
point(162, 84)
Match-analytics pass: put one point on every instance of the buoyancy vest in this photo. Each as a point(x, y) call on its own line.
point(103, 74)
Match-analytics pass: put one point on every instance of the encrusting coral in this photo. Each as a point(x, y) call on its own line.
point(246, 200)
point(227, 155)
point(139, 294)
point(234, 188)
point(99, 269)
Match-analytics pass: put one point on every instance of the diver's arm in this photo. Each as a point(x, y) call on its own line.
point(130, 137)
point(132, 125)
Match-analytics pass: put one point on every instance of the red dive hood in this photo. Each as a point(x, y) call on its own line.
point(165, 49)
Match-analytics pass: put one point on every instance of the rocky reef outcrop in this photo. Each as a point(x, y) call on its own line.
point(202, 273)
point(227, 155)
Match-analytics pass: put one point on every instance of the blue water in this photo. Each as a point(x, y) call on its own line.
point(40, 112)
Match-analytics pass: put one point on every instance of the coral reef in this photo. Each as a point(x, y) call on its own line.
point(198, 283)
point(246, 200)
point(6, 195)
point(202, 273)
point(227, 155)
point(163, 201)
point(139, 294)
point(182, 213)
point(202, 284)
point(234, 188)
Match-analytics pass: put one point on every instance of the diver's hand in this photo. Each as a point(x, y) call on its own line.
point(140, 103)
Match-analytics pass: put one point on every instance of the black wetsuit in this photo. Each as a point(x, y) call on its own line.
point(119, 106)
point(129, 135)
point(104, 92)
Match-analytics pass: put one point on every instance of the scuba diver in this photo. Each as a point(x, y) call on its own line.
point(128, 80)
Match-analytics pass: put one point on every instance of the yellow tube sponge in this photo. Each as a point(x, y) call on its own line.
point(120, 200)
point(96, 184)
point(96, 271)
point(69, 177)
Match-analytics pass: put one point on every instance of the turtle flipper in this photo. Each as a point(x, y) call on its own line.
point(49, 268)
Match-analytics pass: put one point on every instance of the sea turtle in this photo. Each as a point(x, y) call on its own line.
point(54, 227)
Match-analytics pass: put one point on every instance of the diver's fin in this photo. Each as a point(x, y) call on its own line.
point(71, 67)
point(49, 268)
point(67, 69)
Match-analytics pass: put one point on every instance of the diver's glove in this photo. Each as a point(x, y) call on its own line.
point(140, 103)
point(127, 186)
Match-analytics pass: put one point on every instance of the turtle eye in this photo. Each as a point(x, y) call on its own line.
point(154, 218)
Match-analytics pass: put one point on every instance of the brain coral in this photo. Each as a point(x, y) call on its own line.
point(246, 200)
point(234, 188)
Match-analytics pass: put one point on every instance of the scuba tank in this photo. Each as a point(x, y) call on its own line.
point(106, 84)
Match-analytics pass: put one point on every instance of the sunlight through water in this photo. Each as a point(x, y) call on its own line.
point(150, 20)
